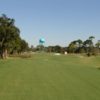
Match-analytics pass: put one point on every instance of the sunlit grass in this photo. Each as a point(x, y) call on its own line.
point(50, 77)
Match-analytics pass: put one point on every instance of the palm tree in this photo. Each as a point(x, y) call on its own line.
point(72, 47)
point(80, 42)
point(91, 40)
point(91, 37)
point(88, 44)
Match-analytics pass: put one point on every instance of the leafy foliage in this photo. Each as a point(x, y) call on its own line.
point(10, 39)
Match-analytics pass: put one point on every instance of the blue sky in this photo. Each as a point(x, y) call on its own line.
point(58, 21)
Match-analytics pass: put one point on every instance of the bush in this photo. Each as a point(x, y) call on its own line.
point(93, 52)
point(89, 54)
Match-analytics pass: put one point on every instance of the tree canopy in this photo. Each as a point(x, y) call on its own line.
point(9, 36)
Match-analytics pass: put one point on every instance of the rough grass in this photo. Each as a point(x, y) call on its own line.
point(50, 77)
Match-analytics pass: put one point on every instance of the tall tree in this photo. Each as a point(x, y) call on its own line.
point(89, 47)
point(23, 46)
point(80, 42)
point(91, 41)
point(72, 47)
point(9, 33)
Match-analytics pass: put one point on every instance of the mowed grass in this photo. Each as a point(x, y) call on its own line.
point(50, 77)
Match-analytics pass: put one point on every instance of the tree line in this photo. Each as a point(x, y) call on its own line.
point(77, 46)
point(87, 46)
point(12, 43)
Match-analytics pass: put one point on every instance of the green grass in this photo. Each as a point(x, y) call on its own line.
point(49, 77)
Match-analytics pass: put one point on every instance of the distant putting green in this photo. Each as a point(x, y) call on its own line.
point(50, 77)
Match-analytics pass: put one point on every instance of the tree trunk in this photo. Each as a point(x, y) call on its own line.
point(4, 54)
